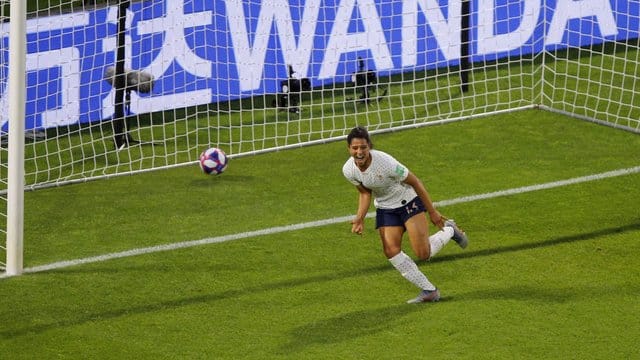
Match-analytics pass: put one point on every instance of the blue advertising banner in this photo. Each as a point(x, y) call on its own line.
point(208, 51)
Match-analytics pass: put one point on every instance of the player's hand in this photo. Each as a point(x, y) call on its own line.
point(437, 219)
point(357, 226)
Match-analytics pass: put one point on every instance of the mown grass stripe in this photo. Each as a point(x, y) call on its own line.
point(312, 224)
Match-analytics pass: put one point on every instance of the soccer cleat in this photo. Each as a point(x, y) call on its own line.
point(458, 235)
point(426, 296)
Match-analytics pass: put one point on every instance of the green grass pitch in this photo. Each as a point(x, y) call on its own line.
point(548, 274)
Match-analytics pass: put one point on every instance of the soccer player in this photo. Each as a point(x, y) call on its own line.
point(401, 201)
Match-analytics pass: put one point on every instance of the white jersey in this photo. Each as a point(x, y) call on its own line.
point(384, 177)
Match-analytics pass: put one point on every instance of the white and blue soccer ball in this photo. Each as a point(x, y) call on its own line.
point(213, 161)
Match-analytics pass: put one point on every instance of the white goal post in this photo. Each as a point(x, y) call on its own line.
point(15, 154)
point(124, 86)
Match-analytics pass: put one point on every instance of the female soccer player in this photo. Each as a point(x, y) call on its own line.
point(401, 201)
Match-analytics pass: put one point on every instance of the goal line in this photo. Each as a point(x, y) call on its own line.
point(318, 223)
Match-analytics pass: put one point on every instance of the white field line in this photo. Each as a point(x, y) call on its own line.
point(312, 224)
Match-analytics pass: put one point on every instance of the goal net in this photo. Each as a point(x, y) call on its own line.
point(116, 87)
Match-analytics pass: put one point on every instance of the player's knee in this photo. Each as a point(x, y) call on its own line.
point(423, 254)
point(391, 251)
point(422, 250)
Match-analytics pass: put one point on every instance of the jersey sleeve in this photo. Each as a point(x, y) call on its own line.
point(402, 171)
point(395, 168)
point(348, 172)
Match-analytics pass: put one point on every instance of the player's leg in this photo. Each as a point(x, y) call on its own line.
point(418, 232)
point(391, 240)
point(391, 229)
point(391, 237)
point(423, 245)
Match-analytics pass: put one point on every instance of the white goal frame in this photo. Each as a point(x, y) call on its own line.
point(15, 178)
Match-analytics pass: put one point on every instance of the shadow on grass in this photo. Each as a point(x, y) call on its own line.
point(331, 329)
point(179, 303)
point(541, 244)
point(538, 293)
point(345, 327)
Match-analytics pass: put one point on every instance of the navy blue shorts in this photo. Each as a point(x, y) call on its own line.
point(398, 216)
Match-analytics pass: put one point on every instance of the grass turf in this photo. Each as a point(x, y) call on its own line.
point(550, 273)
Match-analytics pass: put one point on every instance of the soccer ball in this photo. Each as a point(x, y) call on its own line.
point(213, 161)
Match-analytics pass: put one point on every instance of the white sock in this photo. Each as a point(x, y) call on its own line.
point(440, 239)
point(409, 270)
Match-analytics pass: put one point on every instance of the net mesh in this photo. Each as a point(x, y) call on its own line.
point(254, 76)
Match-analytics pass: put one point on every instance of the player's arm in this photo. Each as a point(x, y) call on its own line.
point(364, 202)
point(435, 216)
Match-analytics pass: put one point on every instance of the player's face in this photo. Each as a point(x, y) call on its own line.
point(359, 150)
